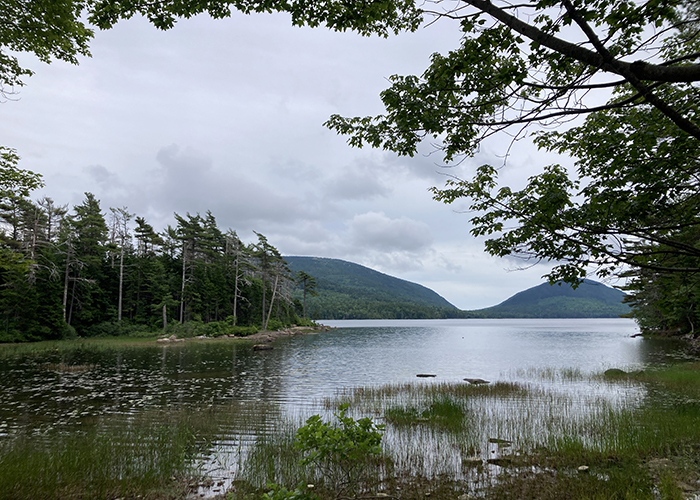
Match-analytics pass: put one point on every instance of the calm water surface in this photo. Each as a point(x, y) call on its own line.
point(37, 390)
point(68, 388)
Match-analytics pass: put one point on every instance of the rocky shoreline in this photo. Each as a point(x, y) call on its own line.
point(260, 338)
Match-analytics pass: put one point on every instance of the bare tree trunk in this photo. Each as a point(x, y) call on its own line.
point(235, 295)
point(72, 300)
point(264, 323)
point(65, 283)
point(182, 291)
point(274, 292)
point(121, 282)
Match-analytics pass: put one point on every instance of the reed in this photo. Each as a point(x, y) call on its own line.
point(511, 441)
point(158, 454)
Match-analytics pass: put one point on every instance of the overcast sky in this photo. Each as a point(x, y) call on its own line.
point(227, 115)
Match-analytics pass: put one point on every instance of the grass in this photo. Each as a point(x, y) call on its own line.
point(148, 456)
point(638, 435)
point(159, 454)
point(66, 346)
point(517, 441)
point(93, 344)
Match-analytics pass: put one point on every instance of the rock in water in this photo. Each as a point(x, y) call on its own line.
point(476, 381)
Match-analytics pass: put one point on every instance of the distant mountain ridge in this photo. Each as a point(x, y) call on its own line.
point(589, 300)
point(351, 291)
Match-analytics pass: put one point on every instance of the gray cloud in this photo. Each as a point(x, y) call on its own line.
point(376, 231)
point(227, 116)
point(361, 180)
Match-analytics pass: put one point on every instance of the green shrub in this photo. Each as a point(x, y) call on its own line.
point(340, 451)
point(117, 329)
point(278, 492)
point(274, 324)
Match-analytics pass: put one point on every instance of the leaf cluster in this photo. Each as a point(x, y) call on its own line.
point(339, 450)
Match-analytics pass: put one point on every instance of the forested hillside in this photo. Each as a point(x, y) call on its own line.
point(351, 291)
point(83, 271)
point(589, 300)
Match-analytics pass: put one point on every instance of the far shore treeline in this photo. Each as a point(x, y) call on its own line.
point(84, 271)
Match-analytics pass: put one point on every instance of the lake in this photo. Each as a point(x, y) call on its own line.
point(67, 388)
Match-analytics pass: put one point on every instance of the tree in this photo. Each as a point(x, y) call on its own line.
point(49, 29)
point(273, 270)
point(509, 73)
point(190, 233)
point(308, 286)
point(120, 231)
point(87, 235)
point(637, 154)
point(237, 257)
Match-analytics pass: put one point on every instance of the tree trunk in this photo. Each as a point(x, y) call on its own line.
point(272, 301)
point(65, 283)
point(182, 291)
point(121, 282)
point(235, 295)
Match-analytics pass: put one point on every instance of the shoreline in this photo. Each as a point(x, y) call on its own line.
point(263, 337)
point(272, 335)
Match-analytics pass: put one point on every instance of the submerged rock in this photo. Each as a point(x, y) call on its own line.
point(501, 461)
point(262, 347)
point(500, 442)
point(472, 462)
point(476, 381)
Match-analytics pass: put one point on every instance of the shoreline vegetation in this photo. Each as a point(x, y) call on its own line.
point(503, 440)
point(510, 441)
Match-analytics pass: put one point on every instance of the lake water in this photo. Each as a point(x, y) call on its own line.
point(38, 390)
point(66, 388)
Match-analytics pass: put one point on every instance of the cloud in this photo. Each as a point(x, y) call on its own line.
point(103, 177)
point(178, 162)
point(244, 138)
point(360, 180)
point(376, 231)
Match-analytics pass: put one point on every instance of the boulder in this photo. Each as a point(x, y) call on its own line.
point(262, 347)
point(476, 381)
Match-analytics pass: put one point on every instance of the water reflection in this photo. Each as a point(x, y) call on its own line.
point(67, 387)
point(79, 386)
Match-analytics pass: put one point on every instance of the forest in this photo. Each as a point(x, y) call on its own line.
point(627, 208)
point(83, 271)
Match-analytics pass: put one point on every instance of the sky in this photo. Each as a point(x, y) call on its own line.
point(227, 116)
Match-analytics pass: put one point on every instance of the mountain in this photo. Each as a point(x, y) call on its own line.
point(351, 291)
point(589, 300)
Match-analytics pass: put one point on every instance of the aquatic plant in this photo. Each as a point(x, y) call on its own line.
point(341, 450)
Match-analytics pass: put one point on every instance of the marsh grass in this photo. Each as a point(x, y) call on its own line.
point(144, 456)
point(527, 440)
point(158, 454)
point(69, 346)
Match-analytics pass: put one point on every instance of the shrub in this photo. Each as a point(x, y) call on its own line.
point(281, 493)
point(340, 451)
